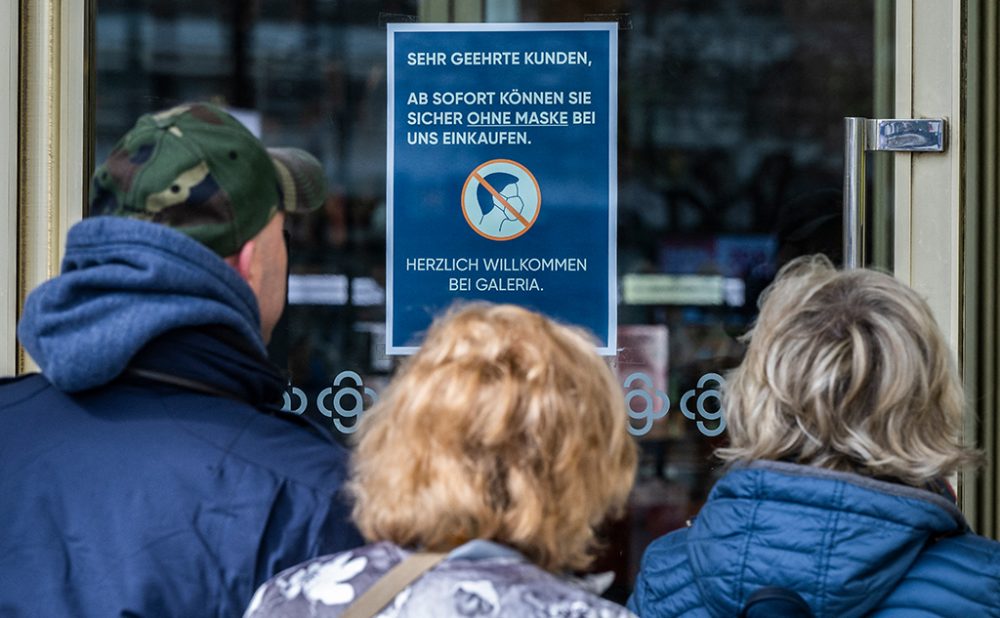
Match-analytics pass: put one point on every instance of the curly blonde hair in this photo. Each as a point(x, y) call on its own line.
point(846, 370)
point(504, 426)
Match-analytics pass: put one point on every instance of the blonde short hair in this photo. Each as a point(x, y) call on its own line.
point(504, 426)
point(846, 370)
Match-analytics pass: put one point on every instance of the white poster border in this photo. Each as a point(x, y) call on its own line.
point(612, 29)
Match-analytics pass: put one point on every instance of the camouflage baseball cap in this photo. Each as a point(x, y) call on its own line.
point(197, 169)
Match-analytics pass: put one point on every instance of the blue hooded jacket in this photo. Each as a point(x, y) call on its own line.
point(849, 545)
point(148, 471)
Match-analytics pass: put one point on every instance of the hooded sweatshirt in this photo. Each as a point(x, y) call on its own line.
point(123, 283)
point(149, 471)
point(849, 545)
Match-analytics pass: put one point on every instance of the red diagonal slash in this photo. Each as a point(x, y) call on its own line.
point(497, 195)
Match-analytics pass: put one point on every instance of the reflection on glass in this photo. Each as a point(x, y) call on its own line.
point(730, 162)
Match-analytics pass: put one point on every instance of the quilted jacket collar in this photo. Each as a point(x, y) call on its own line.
point(761, 524)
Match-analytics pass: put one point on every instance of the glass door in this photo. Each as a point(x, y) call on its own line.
point(731, 157)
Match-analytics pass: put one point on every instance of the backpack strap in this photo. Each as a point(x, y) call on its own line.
point(160, 377)
point(383, 591)
point(775, 602)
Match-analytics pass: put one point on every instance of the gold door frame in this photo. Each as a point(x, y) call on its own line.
point(54, 99)
point(9, 183)
point(946, 209)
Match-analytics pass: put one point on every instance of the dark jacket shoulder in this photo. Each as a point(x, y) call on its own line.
point(157, 500)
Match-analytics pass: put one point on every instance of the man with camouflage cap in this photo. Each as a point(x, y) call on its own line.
point(148, 470)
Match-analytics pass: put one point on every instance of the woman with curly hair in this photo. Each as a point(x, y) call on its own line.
point(492, 457)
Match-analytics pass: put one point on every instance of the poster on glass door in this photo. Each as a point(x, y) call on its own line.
point(501, 179)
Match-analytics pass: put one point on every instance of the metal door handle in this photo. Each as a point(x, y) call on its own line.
point(862, 135)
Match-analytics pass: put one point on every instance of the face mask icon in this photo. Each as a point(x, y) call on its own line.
point(500, 207)
point(510, 204)
point(501, 199)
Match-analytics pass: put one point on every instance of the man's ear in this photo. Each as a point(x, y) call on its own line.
point(243, 261)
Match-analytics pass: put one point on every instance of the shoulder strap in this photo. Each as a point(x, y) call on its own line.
point(185, 383)
point(392, 583)
point(207, 389)
point(776, 602)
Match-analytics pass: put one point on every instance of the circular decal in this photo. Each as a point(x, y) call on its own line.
point(501, 199)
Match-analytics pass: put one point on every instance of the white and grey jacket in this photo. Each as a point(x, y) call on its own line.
point(479, 578)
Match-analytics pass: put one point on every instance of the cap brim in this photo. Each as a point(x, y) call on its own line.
point(303, 183)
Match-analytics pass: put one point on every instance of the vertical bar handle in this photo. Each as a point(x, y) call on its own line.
point(855, 145)
point(862, 135)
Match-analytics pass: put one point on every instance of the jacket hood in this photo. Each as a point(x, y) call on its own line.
point(123, 283)
point(840, 540)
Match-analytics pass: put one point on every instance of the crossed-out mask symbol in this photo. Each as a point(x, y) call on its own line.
point(353, 392)
point(501, 199)
point(650, 413)
point(704, 396)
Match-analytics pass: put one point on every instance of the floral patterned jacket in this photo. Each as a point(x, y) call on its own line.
point(477, 579)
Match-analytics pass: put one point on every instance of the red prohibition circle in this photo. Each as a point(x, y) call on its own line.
point(472, 176)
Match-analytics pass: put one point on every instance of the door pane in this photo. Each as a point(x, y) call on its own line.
point(730, 150)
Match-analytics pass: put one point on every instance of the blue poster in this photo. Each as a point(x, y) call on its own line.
point(501, 180)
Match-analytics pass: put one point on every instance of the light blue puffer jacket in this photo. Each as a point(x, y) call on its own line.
point(850, 545)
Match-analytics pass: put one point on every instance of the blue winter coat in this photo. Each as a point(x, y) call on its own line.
point(849, 545)
point(148, 472)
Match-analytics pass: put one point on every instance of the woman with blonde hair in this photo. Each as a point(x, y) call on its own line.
point(844, 421)
point(480, 474)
